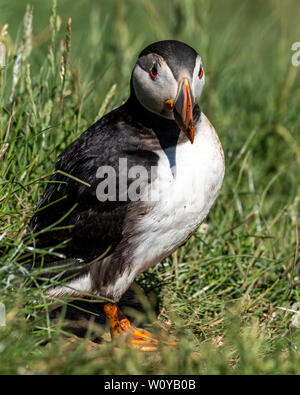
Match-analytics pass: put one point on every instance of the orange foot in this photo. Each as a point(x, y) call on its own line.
point(120, 325)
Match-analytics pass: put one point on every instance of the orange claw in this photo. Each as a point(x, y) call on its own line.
point(120, 325)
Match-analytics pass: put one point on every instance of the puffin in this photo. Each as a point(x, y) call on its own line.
point(133, 188)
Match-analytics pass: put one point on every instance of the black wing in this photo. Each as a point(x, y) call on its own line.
point(89, 225)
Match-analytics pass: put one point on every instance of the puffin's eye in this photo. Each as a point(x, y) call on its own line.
point(153, 72)
point(200, 75)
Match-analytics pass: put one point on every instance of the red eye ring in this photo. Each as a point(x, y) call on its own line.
point(153, 72)
point(201, 71)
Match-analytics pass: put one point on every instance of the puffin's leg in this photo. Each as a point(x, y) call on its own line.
point(120, 325)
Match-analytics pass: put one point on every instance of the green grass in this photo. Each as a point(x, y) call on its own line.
point(226, 295)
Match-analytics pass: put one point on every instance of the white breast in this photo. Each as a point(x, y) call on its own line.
point(184, 196)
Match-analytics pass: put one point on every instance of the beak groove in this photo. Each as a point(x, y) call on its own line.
point(183, 109)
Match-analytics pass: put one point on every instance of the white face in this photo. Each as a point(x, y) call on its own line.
point(154, 83)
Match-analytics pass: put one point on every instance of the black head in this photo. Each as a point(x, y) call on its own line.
point(168, 80)
point(185, 55)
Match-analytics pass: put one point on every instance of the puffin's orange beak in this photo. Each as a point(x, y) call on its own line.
point(183, 109)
